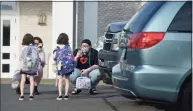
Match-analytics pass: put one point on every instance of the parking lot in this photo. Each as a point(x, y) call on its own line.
point(107, 100)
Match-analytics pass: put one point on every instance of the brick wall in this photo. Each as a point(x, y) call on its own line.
point(115, 11)
point(107, 12)
point(29, 12)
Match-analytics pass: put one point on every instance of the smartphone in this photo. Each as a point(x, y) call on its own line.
point(80, 51)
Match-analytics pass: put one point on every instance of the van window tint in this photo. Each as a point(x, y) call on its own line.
point(140, 19)
point(182, 22)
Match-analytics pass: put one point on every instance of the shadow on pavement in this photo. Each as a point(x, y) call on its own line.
point(161, 106)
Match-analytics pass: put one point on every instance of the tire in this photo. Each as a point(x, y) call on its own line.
point(107, 81)
point(106, 77)
point(185, 99)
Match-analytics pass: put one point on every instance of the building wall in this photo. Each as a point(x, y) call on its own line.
point(107, 12)
point(90, 21)
point(115, 11)
point(28, 19)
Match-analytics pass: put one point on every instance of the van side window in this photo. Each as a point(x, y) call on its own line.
point(182, 22)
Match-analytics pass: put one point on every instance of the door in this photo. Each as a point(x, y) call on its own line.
point(8, 46)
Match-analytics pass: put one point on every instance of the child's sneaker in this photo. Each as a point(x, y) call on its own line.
point(31, 98)
point(59, 98)
point(66, 97)
point(21, 98)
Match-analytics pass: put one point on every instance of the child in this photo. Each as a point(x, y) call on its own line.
point(29, 64)
point(64, 64)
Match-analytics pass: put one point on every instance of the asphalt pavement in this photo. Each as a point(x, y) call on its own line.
point(108, 99)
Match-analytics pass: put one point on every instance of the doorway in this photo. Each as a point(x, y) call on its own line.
point(8, 46)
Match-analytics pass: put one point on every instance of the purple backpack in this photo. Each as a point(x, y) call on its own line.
point(64, 60)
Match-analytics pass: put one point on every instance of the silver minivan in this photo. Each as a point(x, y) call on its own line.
point(156, 63)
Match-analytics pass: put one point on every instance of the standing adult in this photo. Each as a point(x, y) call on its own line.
point(86, 59)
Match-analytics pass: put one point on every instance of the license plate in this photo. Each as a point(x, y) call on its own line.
point(115, 41)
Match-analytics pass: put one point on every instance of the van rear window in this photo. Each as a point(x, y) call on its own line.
point(140, 19)
point(182, 22)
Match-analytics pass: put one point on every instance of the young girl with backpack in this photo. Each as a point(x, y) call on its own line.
point(17, 76)
point(64, 64)
point(29, 59)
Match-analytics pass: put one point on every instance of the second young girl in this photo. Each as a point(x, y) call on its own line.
point(64, 64)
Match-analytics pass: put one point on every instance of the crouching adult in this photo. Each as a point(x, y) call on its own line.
point(86, 59)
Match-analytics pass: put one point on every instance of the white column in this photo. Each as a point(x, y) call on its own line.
point(62, 15)
point(90, 21)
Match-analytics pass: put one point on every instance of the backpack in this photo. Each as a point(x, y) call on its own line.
point(30, 59)
point(64, 60)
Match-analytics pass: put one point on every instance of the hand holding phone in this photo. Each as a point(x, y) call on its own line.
point(79, 53)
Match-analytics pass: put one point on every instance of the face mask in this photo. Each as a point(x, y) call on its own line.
point(39, 49)
point(85, 49)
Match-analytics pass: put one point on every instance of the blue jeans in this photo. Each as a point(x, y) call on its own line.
point(94, 75)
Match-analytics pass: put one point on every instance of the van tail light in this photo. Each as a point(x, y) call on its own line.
point(145, 39)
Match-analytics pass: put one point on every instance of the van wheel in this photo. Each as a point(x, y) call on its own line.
point(185, 99)
point(108, 81)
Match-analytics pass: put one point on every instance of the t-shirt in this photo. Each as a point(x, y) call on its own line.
point(86, 61)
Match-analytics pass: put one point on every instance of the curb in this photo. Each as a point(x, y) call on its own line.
point(43, 81)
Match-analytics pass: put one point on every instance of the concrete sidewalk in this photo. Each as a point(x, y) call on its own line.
point(44, 81)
